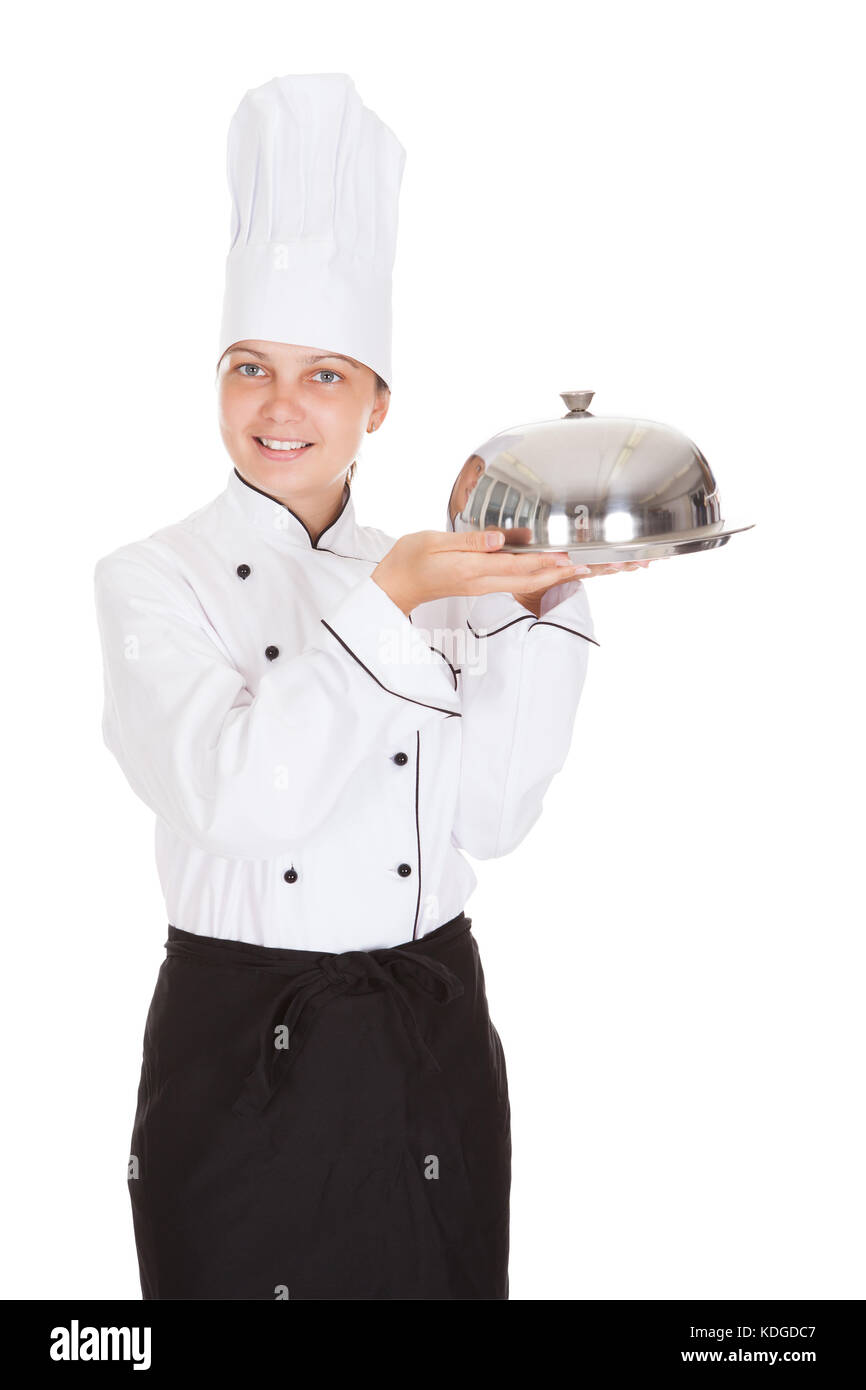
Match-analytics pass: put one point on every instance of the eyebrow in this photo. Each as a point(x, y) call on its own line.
point(305, 361)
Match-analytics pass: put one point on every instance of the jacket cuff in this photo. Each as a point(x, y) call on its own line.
point(566, 606)
point(373, 631)
point(491, 613)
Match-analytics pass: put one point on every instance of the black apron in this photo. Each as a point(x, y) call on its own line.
point(322, 1125)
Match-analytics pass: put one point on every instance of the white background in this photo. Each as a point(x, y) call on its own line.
point(659, 202)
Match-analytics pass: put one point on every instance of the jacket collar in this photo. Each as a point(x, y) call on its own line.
point(269, 514)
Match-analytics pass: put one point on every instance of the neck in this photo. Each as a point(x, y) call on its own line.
point(316, 513)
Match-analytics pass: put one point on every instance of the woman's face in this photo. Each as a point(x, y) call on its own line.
point(463, 488)
point(278, 392)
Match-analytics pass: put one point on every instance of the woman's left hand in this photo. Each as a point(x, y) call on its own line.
point(615, 568)
point(533, 601)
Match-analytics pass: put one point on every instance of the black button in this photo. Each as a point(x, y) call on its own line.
point(401, 758)
point(271, 652)
point(290, 875)
point(404, 869)
point(244, 570)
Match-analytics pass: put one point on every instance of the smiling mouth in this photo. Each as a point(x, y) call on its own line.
point(282, 446)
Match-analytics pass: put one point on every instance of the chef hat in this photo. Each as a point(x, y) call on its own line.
point(315, 182)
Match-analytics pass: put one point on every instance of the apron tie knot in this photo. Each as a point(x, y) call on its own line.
point(391, 969)
point(347, 966)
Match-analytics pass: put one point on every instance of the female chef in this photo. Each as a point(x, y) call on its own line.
point(323, 1107)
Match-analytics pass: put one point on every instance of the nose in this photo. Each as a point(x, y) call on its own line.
point(283, 404)
point(283, 412)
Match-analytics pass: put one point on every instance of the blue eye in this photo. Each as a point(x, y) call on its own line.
point(256, 367)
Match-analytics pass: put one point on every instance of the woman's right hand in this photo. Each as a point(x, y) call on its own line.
point(428, 565)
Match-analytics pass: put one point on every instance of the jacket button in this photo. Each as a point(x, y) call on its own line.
point(401, 758)
point(244, 570)
point(290, 875)
point(404, 869)
point(271, 652)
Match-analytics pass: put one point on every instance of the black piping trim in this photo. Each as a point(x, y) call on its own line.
point(545, 622)
point(417, 826)
point(341, 555)
point(442, 654)
point(499, 629)
point(447, 662)
point(408, 698)
point(314, 545)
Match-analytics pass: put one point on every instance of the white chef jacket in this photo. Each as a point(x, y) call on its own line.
point(319, 763)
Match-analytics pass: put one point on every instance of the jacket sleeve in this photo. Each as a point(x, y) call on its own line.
point(522, 679)
point(235, 773)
